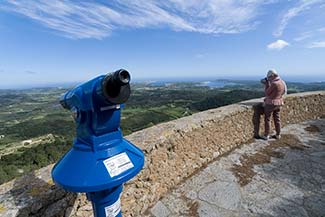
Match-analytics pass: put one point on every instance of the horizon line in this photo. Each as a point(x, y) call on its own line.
point(180, 79)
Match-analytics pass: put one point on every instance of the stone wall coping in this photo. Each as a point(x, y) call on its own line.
point(160, 132)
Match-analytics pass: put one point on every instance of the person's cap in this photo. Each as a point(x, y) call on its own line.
point(272, 72)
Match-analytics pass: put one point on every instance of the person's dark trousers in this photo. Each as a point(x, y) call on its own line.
point(268, 111)
point(258, 111)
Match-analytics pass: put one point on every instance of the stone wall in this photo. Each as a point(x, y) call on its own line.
point(174, 151)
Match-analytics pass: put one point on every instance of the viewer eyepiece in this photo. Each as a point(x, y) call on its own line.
point(123, 76)
point(116, 86)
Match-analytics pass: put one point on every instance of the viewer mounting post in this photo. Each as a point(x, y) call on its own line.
point(101, 160)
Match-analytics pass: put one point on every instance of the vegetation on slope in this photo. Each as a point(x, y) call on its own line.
point(28, 114)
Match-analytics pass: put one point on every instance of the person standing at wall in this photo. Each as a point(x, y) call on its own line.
point(274, 88)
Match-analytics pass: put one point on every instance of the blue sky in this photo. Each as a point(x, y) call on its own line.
point(55, 41)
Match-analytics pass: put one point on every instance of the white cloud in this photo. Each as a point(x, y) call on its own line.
point(278, 45)
point(200, 55)
point(303, 36)
point(302, 5)
point(31, 72)
point(90, 19)
point(317, 44)
point(311, 35)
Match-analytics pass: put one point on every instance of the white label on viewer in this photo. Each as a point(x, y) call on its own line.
point(118, 164)
point(114, 209)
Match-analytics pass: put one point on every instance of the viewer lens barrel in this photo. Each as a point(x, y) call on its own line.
point(116, 87)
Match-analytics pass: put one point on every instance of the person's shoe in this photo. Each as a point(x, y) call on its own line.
point(257, 137)
point(265, 138)
point(276, 137)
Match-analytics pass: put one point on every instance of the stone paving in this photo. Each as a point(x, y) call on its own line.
point(290, 183)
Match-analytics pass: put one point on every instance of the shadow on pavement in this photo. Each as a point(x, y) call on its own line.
point(298, 179)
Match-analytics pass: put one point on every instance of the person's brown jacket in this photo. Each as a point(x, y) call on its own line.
point(274, 91)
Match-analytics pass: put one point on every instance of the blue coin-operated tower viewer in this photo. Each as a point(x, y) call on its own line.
point(101, 160)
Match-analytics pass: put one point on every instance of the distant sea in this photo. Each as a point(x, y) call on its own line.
point(45, 85)
point(213, 82)
point(299, 79)
point(219, 82)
